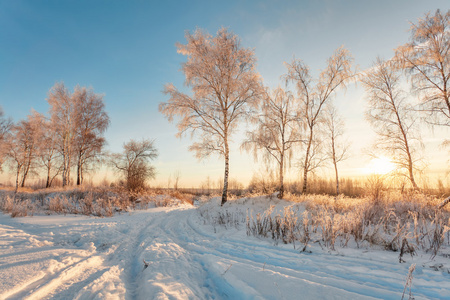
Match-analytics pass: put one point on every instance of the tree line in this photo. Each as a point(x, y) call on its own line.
point(70, 138)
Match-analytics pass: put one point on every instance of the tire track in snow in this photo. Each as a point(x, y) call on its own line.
point(132, 247)
point(173, 272)
point(46, 285)
point(330, 271)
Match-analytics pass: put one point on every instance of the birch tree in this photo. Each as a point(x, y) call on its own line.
point(15, 153)
point(48, 154)
point(21, 148)
point(91, 122)
point(49, 157)
point(427, 59)
point(63, 118)
point(337, 149)
point(314, 95)
point(392, 117)
point(225, 86)
point(30, 130)
point(277, 131)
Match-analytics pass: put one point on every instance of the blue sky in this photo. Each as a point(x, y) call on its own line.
point(126, 51)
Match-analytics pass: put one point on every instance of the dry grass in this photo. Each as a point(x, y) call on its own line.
point(392, 221)
point(98, 201)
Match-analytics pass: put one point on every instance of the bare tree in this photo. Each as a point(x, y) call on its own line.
point(427, 58)
point(48, 155)
point(277, 131)
point(225, 86)
point(134, 163)
point(32, 131)
point(392, 118)
point(337, 149)
point(91, 121)
point(15, 153)
point(63, 118)
point(21, 148)
point(314, 95)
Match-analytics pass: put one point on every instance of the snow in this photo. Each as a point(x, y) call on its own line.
point(180, 252)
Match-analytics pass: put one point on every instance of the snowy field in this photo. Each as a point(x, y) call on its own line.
point(179, 253)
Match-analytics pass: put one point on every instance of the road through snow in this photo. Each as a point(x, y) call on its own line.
point(168, 253)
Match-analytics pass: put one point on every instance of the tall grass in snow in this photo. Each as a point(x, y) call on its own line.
point(102, 202)
point(397, 223)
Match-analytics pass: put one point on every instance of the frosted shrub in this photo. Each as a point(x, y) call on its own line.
point(60, 204)
point(435, 234)
point(86, 204)
point(163, 201)
point(103, 207)
point(290, 225)
point(285, 228)
point(306, 232)
point(22, 209)
point(6, 203)
point(228, 219)
point(16, 206)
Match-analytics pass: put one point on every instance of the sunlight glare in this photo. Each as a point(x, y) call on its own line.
point(380, 165)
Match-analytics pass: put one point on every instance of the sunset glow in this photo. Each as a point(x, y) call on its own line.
point(380, 165)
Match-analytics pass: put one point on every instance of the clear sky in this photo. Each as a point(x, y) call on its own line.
point(126, 51)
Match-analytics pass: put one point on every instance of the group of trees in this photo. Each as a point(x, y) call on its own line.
point(425, 62)
point(71, 137)
point(226, 89)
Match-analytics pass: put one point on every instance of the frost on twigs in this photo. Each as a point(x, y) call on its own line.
point(408, 283)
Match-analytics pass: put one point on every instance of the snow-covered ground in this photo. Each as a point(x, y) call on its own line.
point(174, 253)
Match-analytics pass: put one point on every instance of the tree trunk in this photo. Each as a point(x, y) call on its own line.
point(410, 165)
point(307, 162)
point(281, 193)
point(411, 175)
point(79, 180)
point(51, 181)
point(407, 150)
point(335, 164)
point(24, 177)
point(64, 173)
point(17, 178)
point(47, 185)
point(66, 161)
point(225, 179)
point(25, 173)
point(337, 177)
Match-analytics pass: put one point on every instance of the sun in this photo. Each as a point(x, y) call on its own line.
point(380, 166)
